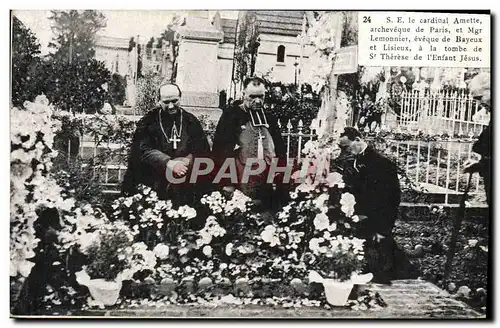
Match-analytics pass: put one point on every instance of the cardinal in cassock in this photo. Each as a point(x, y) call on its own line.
point(246, 131)
point(165, 144)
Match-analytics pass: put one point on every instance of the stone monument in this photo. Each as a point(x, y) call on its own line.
point(198, 70)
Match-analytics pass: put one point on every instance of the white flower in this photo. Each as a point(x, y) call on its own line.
point(321, 221)
point(320, 201)
point(67, 204)
point(85, 239)
point(207, 250)
point(332, 227)
point(293, 195)
point(335, 179)
point(187, 212)
point(295, 237)
point(24, 268)
point(205, 239)
point(229, 249)
point(283, 215)
point(246, 249)
point(472, 242)
point(161, 251)
point(347, 202)
point(269, 235)
point(314, 245)
point(355, 218)
point(86, 221)
point(128, 202)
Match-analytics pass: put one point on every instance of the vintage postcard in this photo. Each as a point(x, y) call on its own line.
point(250, 164)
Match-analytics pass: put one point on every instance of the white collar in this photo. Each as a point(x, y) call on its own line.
point(363, 151)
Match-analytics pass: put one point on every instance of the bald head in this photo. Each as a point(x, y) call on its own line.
point(170, 95)
point(169, 91)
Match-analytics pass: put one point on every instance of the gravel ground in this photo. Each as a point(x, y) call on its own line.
point(427, 242)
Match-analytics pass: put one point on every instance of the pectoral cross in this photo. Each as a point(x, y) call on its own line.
point(175, 140)
point(175, 137)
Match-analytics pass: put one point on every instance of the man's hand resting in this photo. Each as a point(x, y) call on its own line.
point(472, 166)
point(178, 166)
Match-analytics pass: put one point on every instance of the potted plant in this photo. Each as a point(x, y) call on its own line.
point(109, 262)
point(339, 261)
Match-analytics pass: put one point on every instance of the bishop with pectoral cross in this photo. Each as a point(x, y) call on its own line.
point(166, 141)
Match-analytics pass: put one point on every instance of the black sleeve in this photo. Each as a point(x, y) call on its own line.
point(387, 197)
point(224, 138)
point(143, 149)
point(198, 142)
point(483, 145)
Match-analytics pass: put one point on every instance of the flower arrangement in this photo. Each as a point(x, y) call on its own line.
point(32, 187)
point(108, 251)
point(321, 212)
point(321, 33)
point(100, 128)
point(221, 238)
point(154, 220)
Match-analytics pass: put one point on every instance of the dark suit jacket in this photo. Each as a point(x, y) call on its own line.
point(375, 184)
point(483, 147)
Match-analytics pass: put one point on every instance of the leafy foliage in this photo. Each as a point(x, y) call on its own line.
point(25, 63)
point(72, 78)
point(74, 34)
point(147, 90)
point(117, 89)
point(246, 46)
point(103, 256)
point(77, 86)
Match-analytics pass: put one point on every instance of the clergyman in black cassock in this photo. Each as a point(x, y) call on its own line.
point(167, 138)
point(373, 180)
point(247, 131)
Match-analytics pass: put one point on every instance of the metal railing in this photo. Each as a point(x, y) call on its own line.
point(431, 166)
point(440, 112)
point(112, 173)
point(435, 167)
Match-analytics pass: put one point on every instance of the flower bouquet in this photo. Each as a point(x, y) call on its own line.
point(318, 226)
point(113, 258)
point(154, 221)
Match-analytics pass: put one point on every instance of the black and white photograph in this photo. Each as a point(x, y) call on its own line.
point(250, 164)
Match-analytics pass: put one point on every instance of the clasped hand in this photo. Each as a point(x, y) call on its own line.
point(178, 166)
